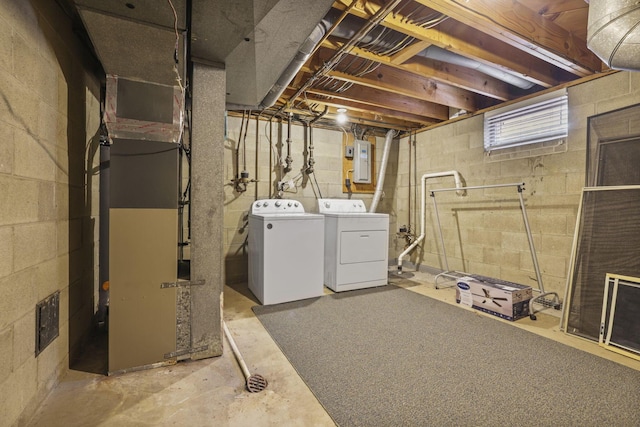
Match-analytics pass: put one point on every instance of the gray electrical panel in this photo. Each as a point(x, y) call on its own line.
point(362, 162)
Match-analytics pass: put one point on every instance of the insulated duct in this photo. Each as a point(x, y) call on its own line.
point(613, 32)
point(289, 72)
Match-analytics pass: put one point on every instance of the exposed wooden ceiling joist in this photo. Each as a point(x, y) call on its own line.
point(460, 77)
point(517, 25)
point(403, 74)
point(410, 84)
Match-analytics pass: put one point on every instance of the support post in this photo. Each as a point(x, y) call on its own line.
point(207, 195)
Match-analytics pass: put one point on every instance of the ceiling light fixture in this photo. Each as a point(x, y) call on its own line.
point(341, 118)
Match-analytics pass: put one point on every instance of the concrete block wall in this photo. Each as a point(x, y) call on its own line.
point(484, 231)
point(49, 114)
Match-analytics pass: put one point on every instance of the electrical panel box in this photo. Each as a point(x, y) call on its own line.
point(362, 162)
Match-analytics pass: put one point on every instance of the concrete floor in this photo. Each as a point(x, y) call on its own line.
point(212, 392)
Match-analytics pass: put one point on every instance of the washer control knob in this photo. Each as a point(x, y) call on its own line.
point(257, 205)
point(289, 204)
point(327, 205)
point(265, 204)
point(296, 204)
point(278, 204)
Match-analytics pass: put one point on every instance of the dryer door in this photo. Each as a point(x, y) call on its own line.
point(363, 246)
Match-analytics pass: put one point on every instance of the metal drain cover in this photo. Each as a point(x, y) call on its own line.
point(256, 383)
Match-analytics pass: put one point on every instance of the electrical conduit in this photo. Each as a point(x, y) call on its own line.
point(458, 180)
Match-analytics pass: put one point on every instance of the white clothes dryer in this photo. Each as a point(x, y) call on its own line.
point(356, 245)
point(286, 250)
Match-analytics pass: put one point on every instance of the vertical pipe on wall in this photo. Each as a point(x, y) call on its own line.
point(409, 190)
point(257, 154)
point(383, 168)
point(271, 156)
point(103, 257)
point(425, 177)
point(289, 159)
point(415, 179)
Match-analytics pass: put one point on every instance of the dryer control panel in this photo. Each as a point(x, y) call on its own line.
point(276, 206)
point(340, 206)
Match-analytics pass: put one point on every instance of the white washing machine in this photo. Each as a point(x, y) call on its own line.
point(286, 251)
point(356, 245)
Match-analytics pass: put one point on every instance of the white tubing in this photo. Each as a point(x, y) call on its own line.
point(236, 352)
point(383, 168)
point(423, 196)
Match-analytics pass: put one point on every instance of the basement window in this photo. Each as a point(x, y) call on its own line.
point(539, 120)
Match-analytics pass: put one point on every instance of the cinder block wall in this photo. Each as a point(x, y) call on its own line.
point(49, 113)
point(484, 231)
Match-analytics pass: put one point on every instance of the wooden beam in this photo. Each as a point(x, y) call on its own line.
point(409, 51)
point(374, 115)
point(499, 54)
point(379, 98)
point(414, 86)
point(518, 26)
point(463, 78)
point(424, 89)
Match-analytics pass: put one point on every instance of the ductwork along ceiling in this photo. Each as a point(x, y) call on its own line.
point(401, 64)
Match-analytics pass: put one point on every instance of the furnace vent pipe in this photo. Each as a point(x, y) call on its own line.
point(613, 30)
point(423, 214)
point(383, 168)
point(443, 55)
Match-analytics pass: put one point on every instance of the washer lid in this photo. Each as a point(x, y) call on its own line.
point(328, 206)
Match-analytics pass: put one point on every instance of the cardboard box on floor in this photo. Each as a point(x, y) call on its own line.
point(508, 301)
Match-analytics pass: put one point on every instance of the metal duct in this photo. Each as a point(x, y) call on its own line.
point(613, 32)
point(439, 54)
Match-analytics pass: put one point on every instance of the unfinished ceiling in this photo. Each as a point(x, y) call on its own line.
point(402, 64)
point(145, 39)
point(408, 64)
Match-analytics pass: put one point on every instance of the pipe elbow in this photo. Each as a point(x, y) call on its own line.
point(458, 180)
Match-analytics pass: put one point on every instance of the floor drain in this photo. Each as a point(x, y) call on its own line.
point(256, 383)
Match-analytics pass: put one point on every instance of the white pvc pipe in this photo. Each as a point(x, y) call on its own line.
point(458, 180)
point(236, 352)
point(383, 167)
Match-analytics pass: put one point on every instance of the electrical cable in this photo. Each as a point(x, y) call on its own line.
point(244, 143)
point(237, 177)
point(175, 69)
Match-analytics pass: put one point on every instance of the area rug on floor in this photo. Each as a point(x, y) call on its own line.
point(391, 357)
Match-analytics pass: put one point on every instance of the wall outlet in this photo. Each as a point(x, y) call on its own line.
point(348, 151)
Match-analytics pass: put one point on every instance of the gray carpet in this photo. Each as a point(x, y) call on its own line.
point(390, 357)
